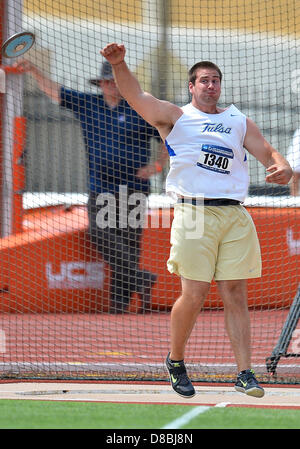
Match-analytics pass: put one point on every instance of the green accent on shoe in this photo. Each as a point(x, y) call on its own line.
point(180, 382)
point(246, 383)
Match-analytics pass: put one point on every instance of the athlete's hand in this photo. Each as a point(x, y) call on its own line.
point(279, 174)
point(114, 53)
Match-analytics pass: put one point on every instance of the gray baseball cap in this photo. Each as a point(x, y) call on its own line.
point(105, 73)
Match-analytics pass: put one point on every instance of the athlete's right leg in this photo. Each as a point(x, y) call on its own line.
point(184, 314)
point(183, 317)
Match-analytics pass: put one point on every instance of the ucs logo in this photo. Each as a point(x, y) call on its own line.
point(76, 275)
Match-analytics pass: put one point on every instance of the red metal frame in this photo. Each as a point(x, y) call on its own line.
point(2, 16)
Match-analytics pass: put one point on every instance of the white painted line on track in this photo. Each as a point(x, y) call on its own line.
point(187, 417)
point(222, 404)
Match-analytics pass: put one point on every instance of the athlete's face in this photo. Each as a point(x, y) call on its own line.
point(207, 88)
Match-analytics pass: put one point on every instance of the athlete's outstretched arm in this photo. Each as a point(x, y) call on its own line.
point(158, 113)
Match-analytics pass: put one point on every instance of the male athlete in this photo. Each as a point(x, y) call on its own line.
point(207, 147)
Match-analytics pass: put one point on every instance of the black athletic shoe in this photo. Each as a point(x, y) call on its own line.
point(180, 382)
point(247, 383)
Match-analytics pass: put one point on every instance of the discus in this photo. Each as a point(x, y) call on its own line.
point(18, 44)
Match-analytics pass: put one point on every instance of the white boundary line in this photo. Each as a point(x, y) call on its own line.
point(187, 417)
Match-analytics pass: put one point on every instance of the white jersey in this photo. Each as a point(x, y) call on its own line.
point(207, 156)
point(293, 155)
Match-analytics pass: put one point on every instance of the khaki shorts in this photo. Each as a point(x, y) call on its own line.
point(224, 246)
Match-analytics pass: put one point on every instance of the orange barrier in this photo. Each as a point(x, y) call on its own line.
point(52, 267)
point(279, 234)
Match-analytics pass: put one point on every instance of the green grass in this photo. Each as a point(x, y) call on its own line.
point(246, 418)
point(35, 414)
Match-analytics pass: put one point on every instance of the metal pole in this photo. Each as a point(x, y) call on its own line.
point(12, 107)
point(163, 49)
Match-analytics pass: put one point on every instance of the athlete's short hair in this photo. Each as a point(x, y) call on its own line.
point(203, 65)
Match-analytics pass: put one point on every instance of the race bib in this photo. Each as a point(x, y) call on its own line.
point(216, 158)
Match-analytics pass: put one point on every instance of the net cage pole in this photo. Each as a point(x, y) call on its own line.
point(285, 337)
point(2, 91)
point(12, 107)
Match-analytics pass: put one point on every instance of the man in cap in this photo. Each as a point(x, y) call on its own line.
point(118, 149)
